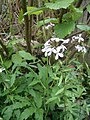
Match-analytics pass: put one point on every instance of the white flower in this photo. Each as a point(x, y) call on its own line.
point(84, 49)
point(48, 51)
point(59, 55)
point(61, 48)
point(81, 48)
point(78, 38)
point(59, 51)
point(66, 41)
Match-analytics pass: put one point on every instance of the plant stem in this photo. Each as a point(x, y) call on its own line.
point(26, 20)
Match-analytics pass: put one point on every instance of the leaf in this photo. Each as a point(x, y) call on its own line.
point(17, 105)
point(26, 113)
point(21, 18)
point(39, 114)
point(26, 55)
point(51, 99)
point(8, 63)
point(64, 29)
point(17, 113)
point(34, 10)
point(83, 27)
point(59, 4)
point(34, 82)
point(8, 113)
point(16, 59)
point(59, 91)
point(76, 14)
point(38, 100)
point(43, 22)
point(88, 8)
point(60, 80)
point(12, 79)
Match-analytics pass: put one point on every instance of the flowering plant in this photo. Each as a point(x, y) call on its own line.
point(58, 46)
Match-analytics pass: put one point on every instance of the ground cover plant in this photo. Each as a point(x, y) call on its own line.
point(44, 60)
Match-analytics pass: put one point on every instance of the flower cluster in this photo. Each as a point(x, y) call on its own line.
point(52, 46)
point(81, 48)
point(57, 46)
point(77, 38)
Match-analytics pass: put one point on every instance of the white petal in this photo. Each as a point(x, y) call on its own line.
point(46, 54)
point(54, 51)
point(56, 57)
point(66, 41)
point(58, 48)
point(80, 40)
point(61, 54)
point(49, 53)
point(84, 49)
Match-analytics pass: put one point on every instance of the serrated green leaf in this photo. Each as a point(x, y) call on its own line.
point(8, 113)
point(59, 4)
point(39, 114)
point(17, 113)
point(83, 27)
point(39, 98)
point(17, 105)
point(26, 113)
point(64, 29)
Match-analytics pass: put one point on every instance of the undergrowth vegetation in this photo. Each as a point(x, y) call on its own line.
point(44, 60)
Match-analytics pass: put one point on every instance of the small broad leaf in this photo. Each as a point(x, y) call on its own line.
point(59, 4)
point(26, 55)
point(83, 27)
point(64, 29)
point(16, 58)
point(8, 63)
point(59, 91)
point(26, 113)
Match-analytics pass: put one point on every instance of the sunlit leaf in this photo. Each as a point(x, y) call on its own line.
point(59, 4)
point(64, 29)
